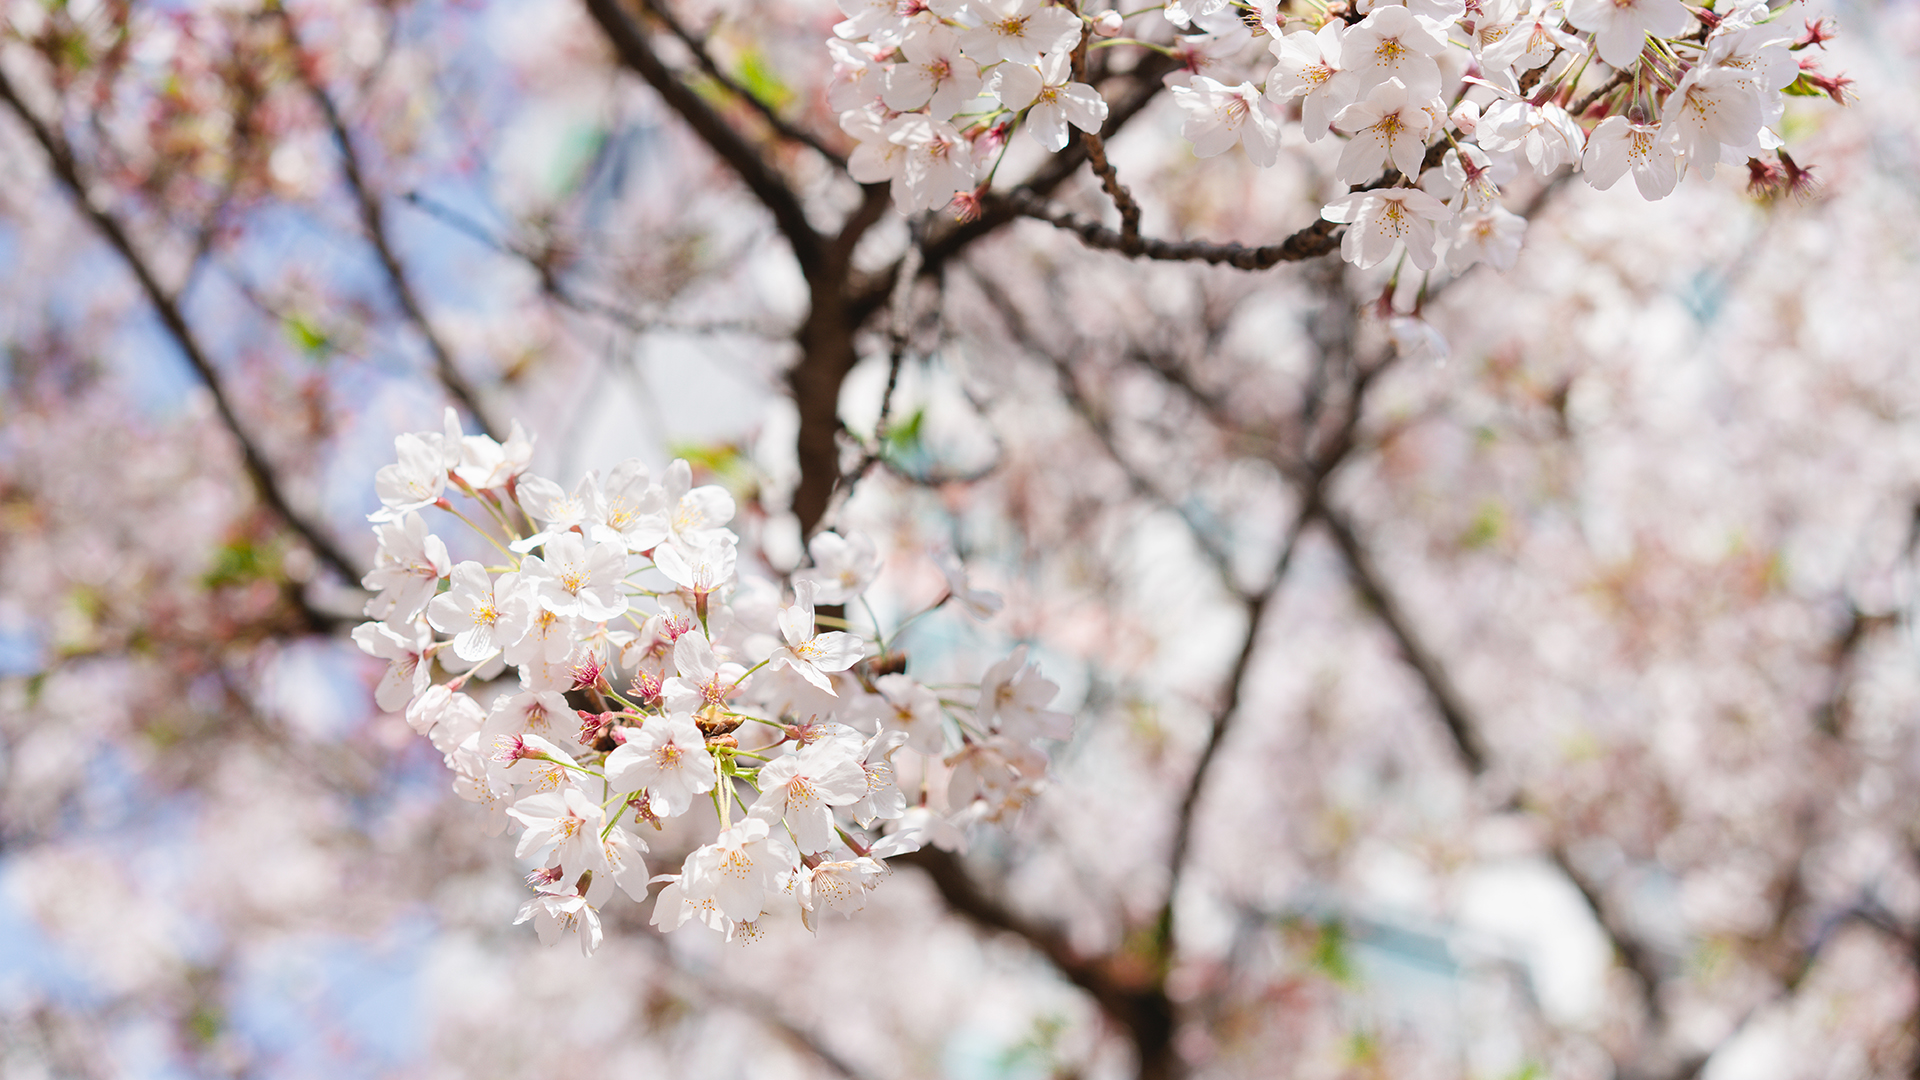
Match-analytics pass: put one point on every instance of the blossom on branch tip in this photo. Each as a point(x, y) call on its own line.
point(1619, 145)
point(1620, 27)
point(1051, 98)
point(1019, 31)
point(1378, 220)
point(843, 567)
point(813, 656)
point(1218, 116)
point(668, 759)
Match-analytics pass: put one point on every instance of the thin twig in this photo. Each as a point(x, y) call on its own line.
point(1446, 697)
point(746, 161)
point(697, 45)
point(1311, 242)
point(373, 222)
point(1123, 200)
point(1100, 425)
point(265, 482)
point(565, 295)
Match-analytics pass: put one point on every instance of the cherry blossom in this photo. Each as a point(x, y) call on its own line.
point(410, 563)
point(1620, 30)
point(1051, 98)
point(1019, 31)
point(1309, 69)
point(1386, 218)
point(668, 760)
point(1218, 116)
point(843, 567)
point(1617, 146)
point(813, 656)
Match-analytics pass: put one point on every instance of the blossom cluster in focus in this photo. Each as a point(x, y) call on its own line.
point(652, 679)
point(1442, 103)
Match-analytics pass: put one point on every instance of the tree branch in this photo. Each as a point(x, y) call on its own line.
point(767, 185)
point(1140, 1006)
point(697, 45)
point(565, 295)
point(166, 306)
point(1123, 200)
point(373, 221)
point(1433, 674)
point(1311, 242)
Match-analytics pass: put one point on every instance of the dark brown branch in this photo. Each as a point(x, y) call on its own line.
point(373, 220)
point(1433, 674)
point(266, 484)
point(842, 303)
point(754, 1005)
point(1619, 79)
point(1123, 200)
point(1134, 1000)
point(1142, 84)
point(697, 45)
point(747, 162)
point(1311, 242)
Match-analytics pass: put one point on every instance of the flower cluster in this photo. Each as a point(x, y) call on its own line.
point(1441, 101)
point(654, 679)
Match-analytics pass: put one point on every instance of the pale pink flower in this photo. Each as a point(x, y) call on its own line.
point(1390, 126)
point(1618, 145)
point(913, 709)
point(483, 614)
point(1489, 234)
point(563, 912)
point(1014, 699)
point(558, 510)
point(1378, 220)
point(802, 789)
point(739, 872)
point(1543, 134)
point(409, 670)
point(703, 682)
point(627, 509)
point(1051, 98)
point(1019, 31)
point(576, 580)
point(1218, 116)
point(981, 604)
point(414, 481)
point(1394, 43)
point(1620, 27)
point(813, 655)
point(840, 886)
point(1712, 107)
point(408, 566)
point(843, 567)
point(564, 824)
point(668, 759)
point(935, 74)
point(1309, 69)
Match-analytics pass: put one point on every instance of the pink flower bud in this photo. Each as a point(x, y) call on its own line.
point(1108, 23)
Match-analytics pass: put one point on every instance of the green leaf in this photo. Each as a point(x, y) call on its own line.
point(763, 82)
point(307, 336)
